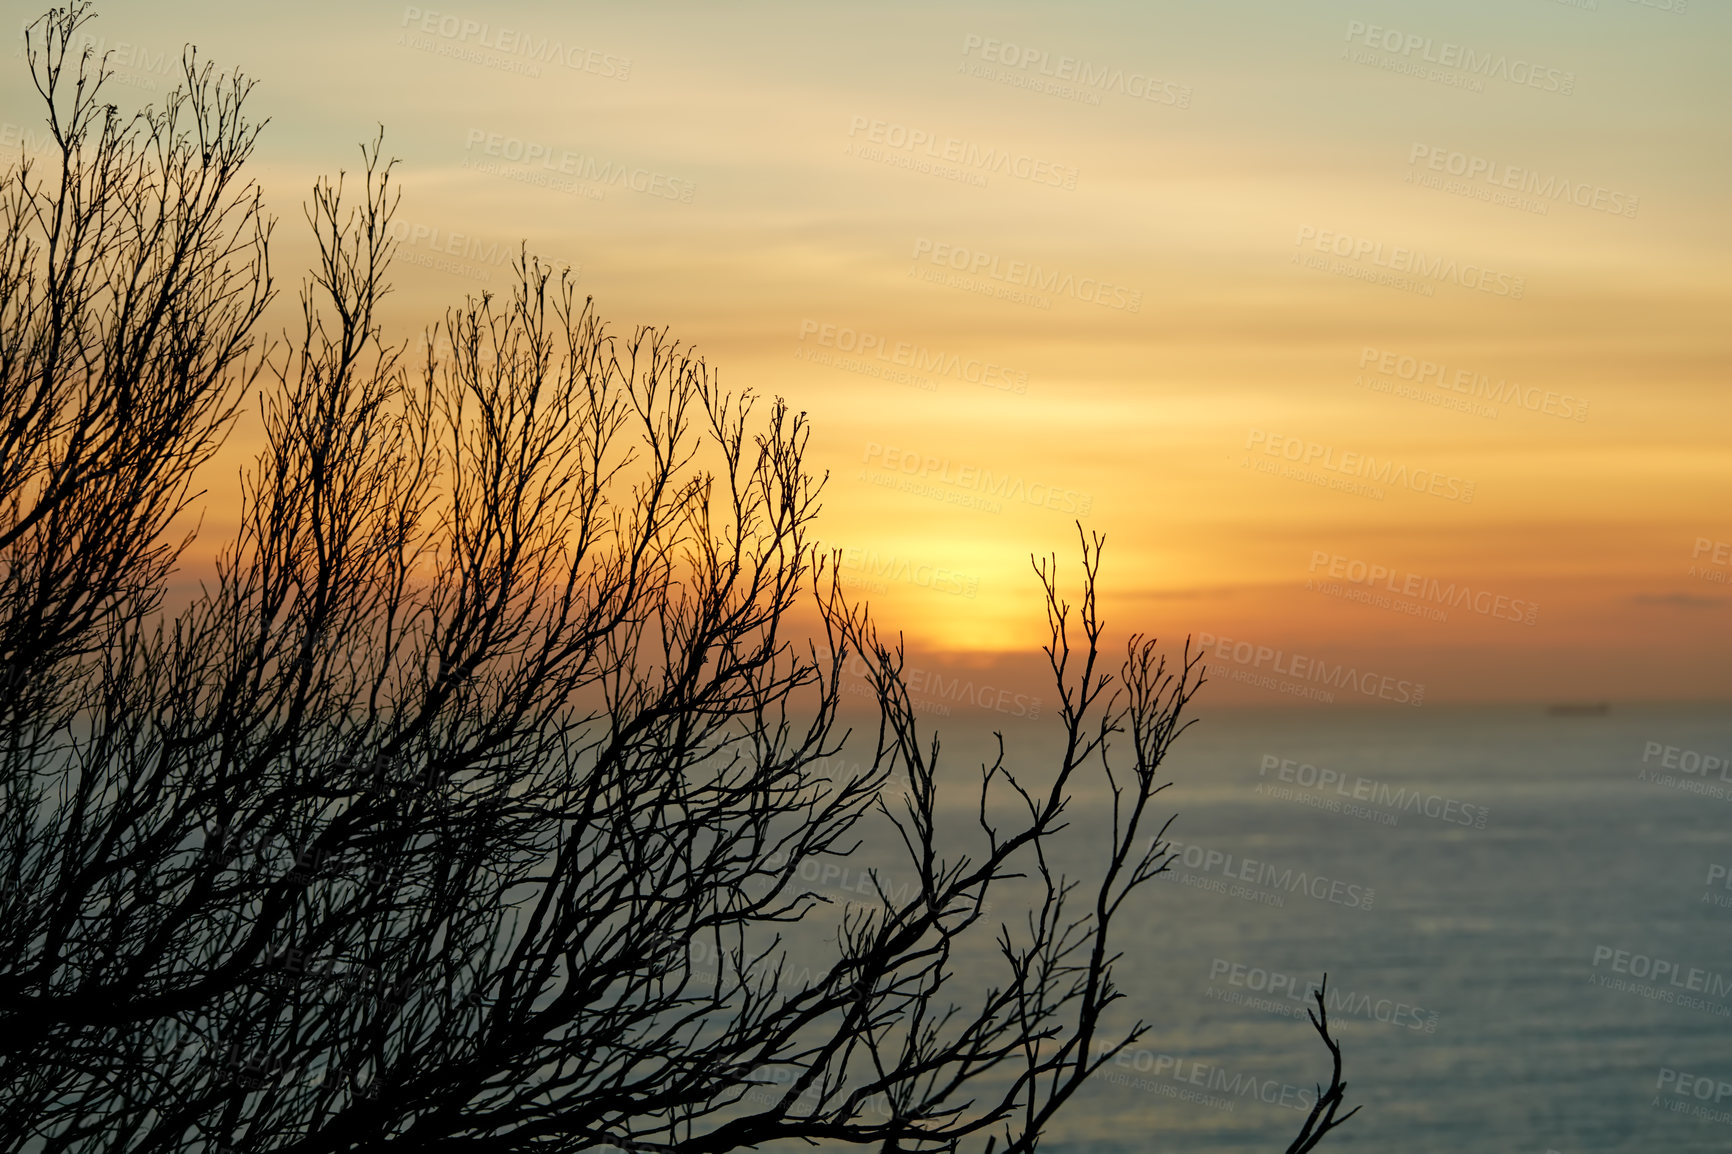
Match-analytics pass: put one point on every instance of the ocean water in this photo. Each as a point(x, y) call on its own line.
point(1524, 918)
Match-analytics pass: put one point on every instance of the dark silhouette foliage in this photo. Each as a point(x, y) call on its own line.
point(462, 806)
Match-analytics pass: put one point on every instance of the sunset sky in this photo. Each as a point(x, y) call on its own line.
point(1466, 262)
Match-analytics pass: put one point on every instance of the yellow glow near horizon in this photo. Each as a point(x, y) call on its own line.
point(776, 212)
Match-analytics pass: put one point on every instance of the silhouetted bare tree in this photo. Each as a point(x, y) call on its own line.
point(463, 804)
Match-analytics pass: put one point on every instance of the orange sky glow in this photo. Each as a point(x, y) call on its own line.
point(1356, 348)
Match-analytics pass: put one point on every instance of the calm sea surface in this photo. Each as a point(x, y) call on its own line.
point(1529, 946)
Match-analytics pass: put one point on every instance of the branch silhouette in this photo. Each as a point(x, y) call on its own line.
point(467, 803)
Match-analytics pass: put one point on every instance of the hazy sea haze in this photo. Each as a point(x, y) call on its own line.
point(1472, 954)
